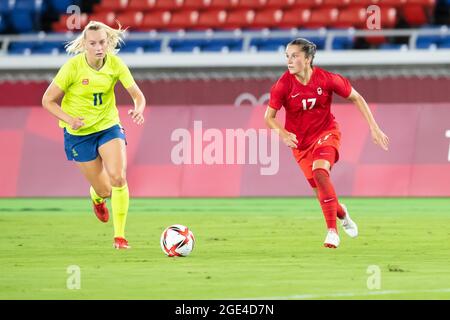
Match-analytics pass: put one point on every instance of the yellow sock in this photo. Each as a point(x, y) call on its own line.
point(120, 200)
point(95, 197)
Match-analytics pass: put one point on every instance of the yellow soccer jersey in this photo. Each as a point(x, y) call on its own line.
point(90, 93)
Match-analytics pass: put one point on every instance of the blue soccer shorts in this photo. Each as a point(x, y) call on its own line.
point(85, 148)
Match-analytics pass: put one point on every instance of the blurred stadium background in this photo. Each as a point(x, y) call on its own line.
point(215, 61)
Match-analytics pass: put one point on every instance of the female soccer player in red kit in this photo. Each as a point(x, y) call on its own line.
point(310, 129)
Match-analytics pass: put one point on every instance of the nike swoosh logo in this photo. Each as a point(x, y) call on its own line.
point(293, 96)
point(328, 200)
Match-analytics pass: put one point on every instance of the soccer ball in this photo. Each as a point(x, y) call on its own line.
point(177, 241)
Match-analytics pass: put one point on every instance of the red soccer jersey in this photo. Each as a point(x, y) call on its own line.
point(308, 111)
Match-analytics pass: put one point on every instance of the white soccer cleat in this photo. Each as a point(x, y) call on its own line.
point(332, 239)
point(348, 224)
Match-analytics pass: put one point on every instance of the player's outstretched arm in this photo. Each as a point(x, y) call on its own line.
point(378, 136)
point(288, 137)
point(137, 114)
point(52, 95)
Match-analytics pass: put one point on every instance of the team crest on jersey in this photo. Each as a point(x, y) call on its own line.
point(319, 91)
point(85, 82)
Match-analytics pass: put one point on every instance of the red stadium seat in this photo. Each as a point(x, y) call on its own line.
point(415, 15)
point(322, 18)
point(294, 18)
point(424, 3)
point(268, 18)
point(108, 18)
point(211, 19)
point(279, 4)
point(139, 5)
point(307, 4)
point(195, 4)
point(155, 20)
point(163, 5)
point(335, 3)
point(252, 4)
point(351, 17)
point(392, 3)
point(239, 19)
point(111, 5)
point(61, 24)
point(363, 3)
point(185, 19)
point(223, 4)
point(388, 17)
point(130, 19)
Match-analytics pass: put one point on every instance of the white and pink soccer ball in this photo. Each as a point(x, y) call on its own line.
point(177, 241)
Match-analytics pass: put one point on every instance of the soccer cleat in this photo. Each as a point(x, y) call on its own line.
point(101, 211)
point(332, 239)
point(348, 224)
point(121, 243)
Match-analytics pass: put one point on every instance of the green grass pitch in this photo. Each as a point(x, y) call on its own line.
point(247, 248)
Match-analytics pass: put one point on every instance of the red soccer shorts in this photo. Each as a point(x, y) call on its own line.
point(325, 148)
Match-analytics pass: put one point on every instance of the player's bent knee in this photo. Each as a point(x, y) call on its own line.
point(118, 180)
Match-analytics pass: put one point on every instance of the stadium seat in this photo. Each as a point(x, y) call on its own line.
point(130, 19)
point(140, 46)
point(61, 6)
point(165, 5)
point(392, 3)
point(111, 5)
point(48, 47)
point(279, 4)
point(155, 20)
point(322, 18)
point(415, 15)
point(185, 19)
point(269, 44)
point(222, 45)
point(22, 21)
point(389, 17)
point(363, 3)
point(252, 4)
point(62, 24)
point(294, 18)
point(223, 4)
point(237, 19)
point(138, 5)
point(351, 17)
point(3, 23)
point(185, 45)
point(108, 18)
point(29, 5)
point(307, 4)
point(343, 43)
point(6, 6)
point(211, 19)
point(268, 18)
point(20, 47)
point(335, 3)
point(424, 3)
point(195, 4)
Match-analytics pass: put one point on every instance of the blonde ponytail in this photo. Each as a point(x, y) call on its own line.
point(114, 36)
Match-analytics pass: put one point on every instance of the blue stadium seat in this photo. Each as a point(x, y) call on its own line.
point(48, 47)
point(60, 6)
point(5, 6)
point(3, 23)
point(133, 46)
point(22, 21)
point(343, 43)
point(424, 42)
point(185, 45)
point(219, 45)
point(20, 47)
point(270, 44)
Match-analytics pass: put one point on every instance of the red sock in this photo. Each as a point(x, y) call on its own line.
point(327, 196)
point(340, 211)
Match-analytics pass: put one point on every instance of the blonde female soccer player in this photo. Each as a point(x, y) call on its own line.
point(93, 135)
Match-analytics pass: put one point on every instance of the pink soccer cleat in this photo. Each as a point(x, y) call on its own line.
point(121, 243)
point(101, 211)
